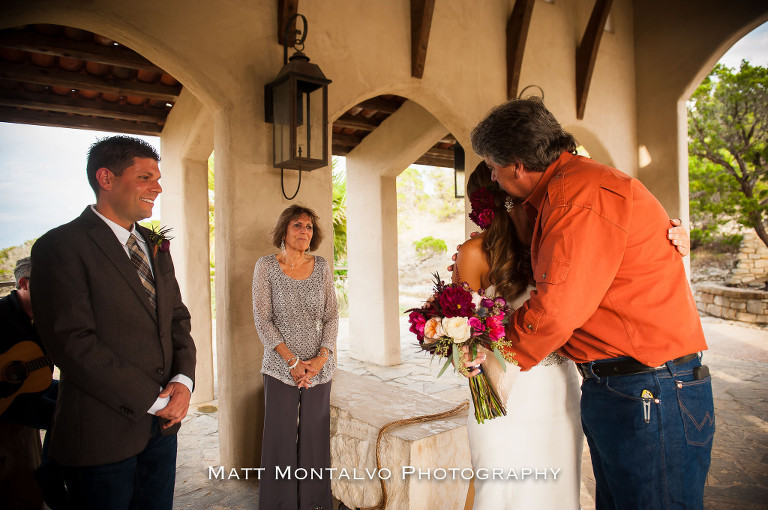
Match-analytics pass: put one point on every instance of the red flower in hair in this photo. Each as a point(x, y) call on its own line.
point(483, 204)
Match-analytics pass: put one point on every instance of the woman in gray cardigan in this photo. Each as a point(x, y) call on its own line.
point(294, 308)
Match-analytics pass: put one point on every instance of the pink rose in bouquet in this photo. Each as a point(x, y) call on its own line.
point(477, 326)
point(417, 321)
point(495, 327)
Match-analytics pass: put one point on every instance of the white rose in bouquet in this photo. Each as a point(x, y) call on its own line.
point(457, 328)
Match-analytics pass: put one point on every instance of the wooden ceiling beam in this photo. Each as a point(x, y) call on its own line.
point(380, 105)
point(586, 53)
point(345, 140)
point(434, 161)
point(76, 81)
point(355, 122)
point(285, 9)
point(63, 104)
point(517, 34)
point(437, 152)
point(339, 150)
point(421, 23)
point(62, 47)
point(55, 119)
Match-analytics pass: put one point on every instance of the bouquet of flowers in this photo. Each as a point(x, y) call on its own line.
point(456, 316)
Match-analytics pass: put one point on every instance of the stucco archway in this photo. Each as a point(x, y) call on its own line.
point(671, 61)
point(180, 139)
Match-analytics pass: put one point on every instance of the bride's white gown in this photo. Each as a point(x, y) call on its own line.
point(540, 435)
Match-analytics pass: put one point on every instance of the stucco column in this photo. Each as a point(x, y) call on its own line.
point(186, 143)
point(248, 203)
point(372, 170)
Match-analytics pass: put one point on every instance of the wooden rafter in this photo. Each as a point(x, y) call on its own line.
point(356, 122)
point(380, 105)
point(421, 23)
point(60, 78)
point(346, 140)
point(55, 119)
point(586, 54)
point(285, 9)
point(62, 47)
point(517, 34)
point(359, 121)
point(65, 104)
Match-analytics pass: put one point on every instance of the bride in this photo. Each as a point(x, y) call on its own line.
point(538, 443)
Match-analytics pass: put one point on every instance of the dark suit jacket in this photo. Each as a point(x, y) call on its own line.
point(95, 319)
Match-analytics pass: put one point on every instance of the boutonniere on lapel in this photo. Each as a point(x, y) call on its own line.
point(160, 239)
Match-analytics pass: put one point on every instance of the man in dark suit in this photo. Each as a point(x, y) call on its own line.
point(108, 308)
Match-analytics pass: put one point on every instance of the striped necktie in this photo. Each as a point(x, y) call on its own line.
point(139, 259)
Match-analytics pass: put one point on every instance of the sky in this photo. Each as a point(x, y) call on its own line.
point(43, 183)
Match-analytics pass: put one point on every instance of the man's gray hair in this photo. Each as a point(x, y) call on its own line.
point(22, 269)
point(521, 131)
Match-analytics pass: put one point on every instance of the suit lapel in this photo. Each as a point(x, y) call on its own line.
point(105, 239)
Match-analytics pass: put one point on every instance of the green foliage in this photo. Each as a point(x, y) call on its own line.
point(728, 149)
point(429, 246)
point(9, 256)
point(211, 231)
point(410, 196)
point(443, 203)
point(339, 208)
point(427, 190)
point(342, 290)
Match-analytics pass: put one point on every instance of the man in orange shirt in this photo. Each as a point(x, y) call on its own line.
point(611, 294)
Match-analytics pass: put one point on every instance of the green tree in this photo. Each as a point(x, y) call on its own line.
point(443, 198)
point(728, 146)
point(339, 208)
point(429, 246)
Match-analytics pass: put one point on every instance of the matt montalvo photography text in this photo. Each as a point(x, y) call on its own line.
point(420, 473)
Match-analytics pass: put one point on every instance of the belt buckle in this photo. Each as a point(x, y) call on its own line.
point(584, 370)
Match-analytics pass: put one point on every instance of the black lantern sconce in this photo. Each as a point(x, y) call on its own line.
point(296, 103)
point(458, 170)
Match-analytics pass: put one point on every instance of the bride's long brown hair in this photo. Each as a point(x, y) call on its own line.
point(508, 257)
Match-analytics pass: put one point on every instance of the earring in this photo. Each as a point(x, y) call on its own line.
point(282, 244)
point(509, 203)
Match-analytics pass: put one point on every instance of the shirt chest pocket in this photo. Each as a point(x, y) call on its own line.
point(552, 271)
point(550, 277)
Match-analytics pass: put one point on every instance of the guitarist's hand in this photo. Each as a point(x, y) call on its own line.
point(178, 406)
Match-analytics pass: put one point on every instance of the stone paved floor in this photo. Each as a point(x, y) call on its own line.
point(738, 478)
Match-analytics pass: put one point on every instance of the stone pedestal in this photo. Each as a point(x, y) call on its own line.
point(421, 463)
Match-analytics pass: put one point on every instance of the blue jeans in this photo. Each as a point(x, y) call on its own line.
point(653, 452)
point(142, 482)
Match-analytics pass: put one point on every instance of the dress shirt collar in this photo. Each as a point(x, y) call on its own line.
point(535, 199)
point(121, 233)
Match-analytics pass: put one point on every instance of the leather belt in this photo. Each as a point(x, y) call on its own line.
point(627, 366)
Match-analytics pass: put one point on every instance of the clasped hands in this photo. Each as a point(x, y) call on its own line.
point(177, 407)
point(306, 370)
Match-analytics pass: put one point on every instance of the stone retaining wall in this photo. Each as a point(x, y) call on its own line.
point(732, 303)
point(751, 262)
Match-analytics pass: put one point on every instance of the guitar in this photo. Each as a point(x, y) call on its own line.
point(23, 369)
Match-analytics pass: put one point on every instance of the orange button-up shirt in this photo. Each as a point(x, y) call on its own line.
point(608, 282)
